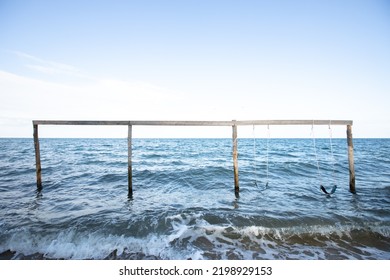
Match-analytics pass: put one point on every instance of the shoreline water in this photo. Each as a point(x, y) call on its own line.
point(12, 255)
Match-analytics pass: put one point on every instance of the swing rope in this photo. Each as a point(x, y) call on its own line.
point(331, 153)
point(315, 150)
point(267, 157)
point(254, 155)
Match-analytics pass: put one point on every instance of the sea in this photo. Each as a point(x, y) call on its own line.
point(184, 205)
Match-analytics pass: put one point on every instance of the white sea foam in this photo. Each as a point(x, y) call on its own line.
point(192, 237)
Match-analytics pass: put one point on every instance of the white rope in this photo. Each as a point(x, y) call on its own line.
point(254, 155)
point(268, 136)
point(331, 152)
point(315, 150)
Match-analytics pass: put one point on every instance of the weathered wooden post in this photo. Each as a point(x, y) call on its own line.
point(37, 158)
point(235, 160)
point(351, 160)
point(129, 163)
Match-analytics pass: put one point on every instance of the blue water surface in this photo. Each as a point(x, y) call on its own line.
point(183, 204)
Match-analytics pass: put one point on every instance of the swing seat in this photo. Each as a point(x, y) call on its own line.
point(322, 188)
point(326, 192)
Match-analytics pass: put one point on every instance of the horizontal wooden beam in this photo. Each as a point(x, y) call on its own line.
point(61, 122)
point(295, 122)
point(197, 123)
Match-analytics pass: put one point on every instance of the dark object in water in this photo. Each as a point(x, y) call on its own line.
point(126, 255)
point(266, 185)
point(331, 192)
point(7, 255)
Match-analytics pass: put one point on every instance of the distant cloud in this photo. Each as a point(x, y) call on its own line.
point(50, 67)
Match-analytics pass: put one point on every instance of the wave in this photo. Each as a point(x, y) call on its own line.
point(191, 236)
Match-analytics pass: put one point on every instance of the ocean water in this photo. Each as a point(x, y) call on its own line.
point(183, 204)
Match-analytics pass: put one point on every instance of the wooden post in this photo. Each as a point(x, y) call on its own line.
point(235, 161)
point(37, 158)
point(351, 160)
point(129, 163)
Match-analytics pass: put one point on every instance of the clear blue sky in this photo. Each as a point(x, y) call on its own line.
point(194, 60)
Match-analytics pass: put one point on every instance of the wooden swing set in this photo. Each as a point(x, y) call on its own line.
point(234, 124)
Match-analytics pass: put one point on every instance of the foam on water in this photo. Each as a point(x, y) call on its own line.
point(191, 236)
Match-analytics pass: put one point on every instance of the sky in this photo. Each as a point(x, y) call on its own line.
point(194, 60)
